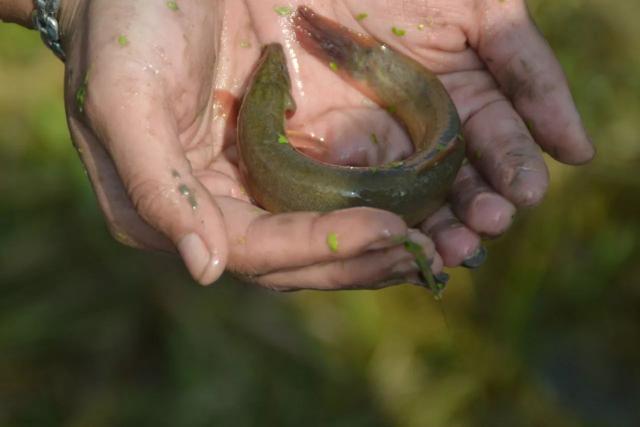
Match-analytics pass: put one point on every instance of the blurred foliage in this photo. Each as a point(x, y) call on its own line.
point(546, 334)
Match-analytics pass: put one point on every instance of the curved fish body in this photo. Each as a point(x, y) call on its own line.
point(281, 179)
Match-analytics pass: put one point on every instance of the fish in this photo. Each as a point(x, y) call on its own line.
point(281, 179)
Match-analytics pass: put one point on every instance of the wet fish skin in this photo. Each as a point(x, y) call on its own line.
point(281, 179)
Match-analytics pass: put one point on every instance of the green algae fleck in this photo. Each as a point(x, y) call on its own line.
point(362, 16)
point(283, 10)
point(173, 5)
point(332, 242)
point(398, 31)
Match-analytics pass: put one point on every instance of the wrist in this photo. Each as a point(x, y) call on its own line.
point(16, 11)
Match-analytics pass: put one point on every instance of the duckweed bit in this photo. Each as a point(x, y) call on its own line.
point(283, 10)
point(332, 242)
point(398, 31)
point(282, 139)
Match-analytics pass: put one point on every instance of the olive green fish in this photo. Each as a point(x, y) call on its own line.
point(282, 179)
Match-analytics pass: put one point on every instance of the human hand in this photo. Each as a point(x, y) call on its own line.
point(150, 95)
point(507, 85)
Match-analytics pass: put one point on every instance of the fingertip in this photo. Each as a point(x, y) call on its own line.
point(490, 214)
point(579, 155)
point(205, 265)
point(477, 259)
point(456, 245)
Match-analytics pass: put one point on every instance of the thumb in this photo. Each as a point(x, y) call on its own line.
point(143, 141)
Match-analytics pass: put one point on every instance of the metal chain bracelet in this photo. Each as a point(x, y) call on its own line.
point(46, 22)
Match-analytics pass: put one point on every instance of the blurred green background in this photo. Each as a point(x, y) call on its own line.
point(546, 334)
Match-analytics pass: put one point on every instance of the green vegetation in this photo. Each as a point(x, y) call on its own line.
point(546, 334)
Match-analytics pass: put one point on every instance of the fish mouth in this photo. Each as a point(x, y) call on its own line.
point(327, 40)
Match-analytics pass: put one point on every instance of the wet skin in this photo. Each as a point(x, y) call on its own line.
point(281, 179)
point(151, 111)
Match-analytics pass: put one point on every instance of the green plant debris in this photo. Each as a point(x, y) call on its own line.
point(333, 66)
point(392, 109)
point(81, 93)
point(173, 5)
point(398, 31)
point(283, 10)
point(362, 16)
point(425, 267)
point(189, 195)
point(332, 242)
point(123, 40)
point(374, 139)
point(282, 139)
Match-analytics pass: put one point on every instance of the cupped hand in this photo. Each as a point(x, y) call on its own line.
point(507, 85)
point(152, 89)
point(151, 94)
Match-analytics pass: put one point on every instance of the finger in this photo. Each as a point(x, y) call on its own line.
point(501, 148)
point(373, 270)
point(263, 243)
point(530, 75)
point(123, 222)
point(143, 142)
point(478, 205)
point(454, 242)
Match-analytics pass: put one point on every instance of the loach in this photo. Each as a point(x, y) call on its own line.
point(281, 179)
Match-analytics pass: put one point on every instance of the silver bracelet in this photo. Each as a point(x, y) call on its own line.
point(46, 22)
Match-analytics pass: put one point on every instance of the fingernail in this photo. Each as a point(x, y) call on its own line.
point(442, 278)
point(477, 259)
point(195, 255)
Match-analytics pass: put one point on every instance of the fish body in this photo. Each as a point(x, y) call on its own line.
point(281, 179)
